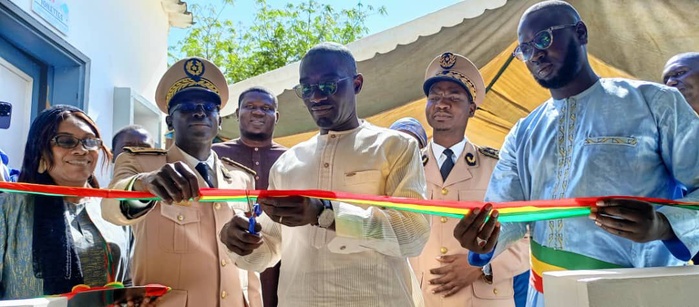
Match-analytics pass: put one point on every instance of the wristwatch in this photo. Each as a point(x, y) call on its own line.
point(327, 216)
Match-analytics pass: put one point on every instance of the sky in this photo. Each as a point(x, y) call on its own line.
point(398, 12)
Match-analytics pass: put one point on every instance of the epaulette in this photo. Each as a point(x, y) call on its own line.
point(145, 151)
point(230, 161)
point(490, 152)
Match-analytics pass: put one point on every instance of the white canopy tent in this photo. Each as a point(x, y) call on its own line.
point(631, 38)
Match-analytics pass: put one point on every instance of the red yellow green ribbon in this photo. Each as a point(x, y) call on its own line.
point(150, 290)
point(515, 211)
point(546, 259)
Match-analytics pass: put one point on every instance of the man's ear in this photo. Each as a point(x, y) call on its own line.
point(237, 114)
point(358, 82)
point(472, 109)
point(168, 122)
point(276, 119)
point(581, 32)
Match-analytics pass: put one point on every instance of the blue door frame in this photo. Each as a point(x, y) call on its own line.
point(60, 71)
point(28, 65)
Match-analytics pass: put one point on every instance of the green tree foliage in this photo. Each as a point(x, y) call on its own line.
point(276, 37)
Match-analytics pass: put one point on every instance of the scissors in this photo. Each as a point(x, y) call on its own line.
point(255, 211)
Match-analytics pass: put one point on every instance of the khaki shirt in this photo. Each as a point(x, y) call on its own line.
point(467, 181)
point(179, 246)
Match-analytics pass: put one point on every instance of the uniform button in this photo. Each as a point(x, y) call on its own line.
point(343, 247)
point(224, 294)
point(217, 206)
point(257, 162)
point(445, 191)
point(257, 149)
point(180, 218)
point(495, 291)
point(326, 165)
point(223, 262)
point(332, 136)
point(443, 250)
point(257, 177)
point(443, 219)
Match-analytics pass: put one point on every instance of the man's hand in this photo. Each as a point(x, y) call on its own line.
point(476, 235)
point(292, 211)
point(236, 237)
point(454, 274)
point(145, 302)
point(174, 182)
point(632, 219)
point(136, 298)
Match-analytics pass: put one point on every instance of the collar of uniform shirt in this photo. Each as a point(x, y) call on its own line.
point(437, 151)
point(193, 161)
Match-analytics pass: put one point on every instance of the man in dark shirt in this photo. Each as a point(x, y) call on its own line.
point(130, 136)
point(257, 115)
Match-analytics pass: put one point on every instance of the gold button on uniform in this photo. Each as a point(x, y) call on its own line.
point(443, 250)
point(224, 294)
point(217, 206)
point(332, 136)
point(223, 262)
point(495, 291)
point(445, 191)
point(443, 219)
point(180, 218)
point(326, 165)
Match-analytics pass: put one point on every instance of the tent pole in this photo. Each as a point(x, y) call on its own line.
point(500, 72)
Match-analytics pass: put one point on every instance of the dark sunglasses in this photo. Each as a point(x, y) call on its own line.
point(542, 40)
point(327, 88)
point(70, 142)
point(188, 107)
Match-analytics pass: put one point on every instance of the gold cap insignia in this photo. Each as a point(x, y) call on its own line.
point(447, 60)
point(194, 68)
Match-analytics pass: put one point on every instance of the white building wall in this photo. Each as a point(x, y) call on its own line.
point(126, 41)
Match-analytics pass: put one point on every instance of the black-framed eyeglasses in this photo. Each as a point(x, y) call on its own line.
point(69, 142)
point(327, 88)
point(188, 107)
point(542, 40)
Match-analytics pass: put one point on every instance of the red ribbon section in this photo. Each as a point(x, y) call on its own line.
point(229, 193)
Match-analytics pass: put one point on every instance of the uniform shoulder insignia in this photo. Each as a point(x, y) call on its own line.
point(230, 161)
point(489, 152)
point(145, 151)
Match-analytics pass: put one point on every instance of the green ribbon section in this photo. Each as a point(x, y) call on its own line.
point(568, 260)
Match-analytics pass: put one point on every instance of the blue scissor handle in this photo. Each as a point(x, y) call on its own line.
point(256, 211)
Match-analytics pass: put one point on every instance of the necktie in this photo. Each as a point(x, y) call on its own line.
point(447, 165)
point(205, 172)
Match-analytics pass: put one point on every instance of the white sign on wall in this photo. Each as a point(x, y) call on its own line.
point(55, 12)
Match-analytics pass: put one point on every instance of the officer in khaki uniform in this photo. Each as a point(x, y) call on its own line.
point(455, 169)
point(177, 239)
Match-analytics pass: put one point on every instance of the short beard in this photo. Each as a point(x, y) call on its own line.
point(256, 136)
point(568, 71)
point(324, 122)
